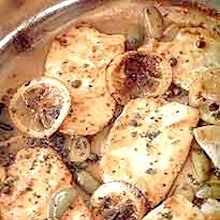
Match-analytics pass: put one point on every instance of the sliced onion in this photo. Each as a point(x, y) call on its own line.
point(170, 33)
point(61, 201)
point(87, 182)
point(98, 143)
point(153, 21)
point(200, 165)
point(208, 137)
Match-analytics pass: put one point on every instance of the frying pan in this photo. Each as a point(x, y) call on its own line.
point(24, 47)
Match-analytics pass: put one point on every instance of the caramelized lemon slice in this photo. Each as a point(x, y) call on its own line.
point(137, 74)
point(118, 200)
point(39, 107)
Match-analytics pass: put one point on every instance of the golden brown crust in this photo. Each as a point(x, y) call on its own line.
point(176, 207)
point(35, 175)
point(145, 147)
point(78, 58)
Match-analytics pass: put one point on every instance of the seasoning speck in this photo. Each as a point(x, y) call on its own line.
point(200, 44)
point(173, 62)
point(151, 171)
point(76, 84)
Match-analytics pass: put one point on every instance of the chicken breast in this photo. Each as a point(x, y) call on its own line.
point(193, 51)
point(78, 211)
point(78, 58)
point(148, 145)
point(175, 208)
point(34, 176)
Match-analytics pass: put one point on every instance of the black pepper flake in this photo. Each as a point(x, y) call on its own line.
point(200, 44)
point(217, 173)
point(27, 83)
point(214, 107)
point(28, 189)
point(173, 62)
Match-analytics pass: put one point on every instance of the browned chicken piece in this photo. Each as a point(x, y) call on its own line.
point(34, 176)
point(193, 51)
point(148, 145)
point(78, 57)
point(175, 208)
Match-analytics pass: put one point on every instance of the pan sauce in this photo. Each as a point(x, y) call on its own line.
point(129, 145)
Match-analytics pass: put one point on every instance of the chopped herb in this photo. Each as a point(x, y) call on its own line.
point(134, 134)
point(133, 123)
point(152, 135)
point(29, 189)
point(167, 215)
point(151, 171)
point(85, 65)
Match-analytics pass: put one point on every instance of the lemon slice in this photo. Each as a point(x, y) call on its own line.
point(138, 74)
point(39, 107)
point(118, 200)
